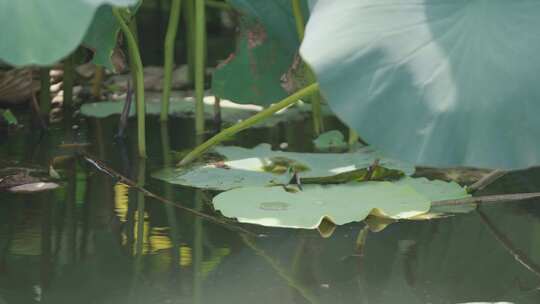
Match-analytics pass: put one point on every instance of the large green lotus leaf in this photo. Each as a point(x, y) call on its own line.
point(261, 166)
point(277, 18)
point(265, 51)
point(101, 37)
point(43, 32)
point(434, 82)
point(340, 204)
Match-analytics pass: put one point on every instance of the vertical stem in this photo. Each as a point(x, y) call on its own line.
point(134, 30)
point(139, 81)
point(298, 18)
point(353, 138)
point(45, 91)
point(316, 111)
point(199, 65)
point(97, 81)
point(189, 14)
point(170, 38)
point(69, 79)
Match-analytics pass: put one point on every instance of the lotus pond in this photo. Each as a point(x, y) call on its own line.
point(276, 151)
point(94, 240)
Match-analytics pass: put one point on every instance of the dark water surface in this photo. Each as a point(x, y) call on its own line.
point(94, 241)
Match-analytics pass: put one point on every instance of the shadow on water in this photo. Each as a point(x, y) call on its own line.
point(96, 241)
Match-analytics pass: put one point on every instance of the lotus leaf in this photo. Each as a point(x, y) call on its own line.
point(265, 51)
point(330, 141)
point(433, 82)
point(339, 204)
point(261, 166)
point(43, 32)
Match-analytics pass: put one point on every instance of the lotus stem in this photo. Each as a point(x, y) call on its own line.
point(353, 138)
point(97, 81)
point(45, 91)
point(298, 18)
point(139, 80)
point(189, 14)
point(170, 38)
point(69, 79)
point(316, 112)
point(227, 133)
point(200, 20)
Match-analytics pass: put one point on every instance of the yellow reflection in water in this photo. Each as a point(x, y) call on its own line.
point(185, 256)
point(121, 201)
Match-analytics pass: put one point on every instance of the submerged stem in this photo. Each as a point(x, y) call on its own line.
point(170, 37)
point(248, 122)
point(139, 80)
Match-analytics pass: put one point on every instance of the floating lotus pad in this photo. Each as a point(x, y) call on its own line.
point(339, 204)
point(261, 166)
point(435, 82)
point(330, 141)
point(230, 112)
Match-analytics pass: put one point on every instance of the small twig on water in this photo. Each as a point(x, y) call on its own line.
point(488, 199)
point(518, 255)
point(486, 180)
point(112, 173)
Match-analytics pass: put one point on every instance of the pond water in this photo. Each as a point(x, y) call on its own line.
point(95, 241)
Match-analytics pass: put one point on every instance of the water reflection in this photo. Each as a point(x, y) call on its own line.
point(97, 241)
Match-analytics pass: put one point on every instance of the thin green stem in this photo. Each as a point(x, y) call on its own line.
point(298, 18)
point(200, 24)
point(134, 30)
point(45, 91)
point(353, 138)
point(97, 82)
point(170, 38)
point(189, 15)
point(139, 81)
point(227, 133)
point(69, 79)
point(316, 110)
